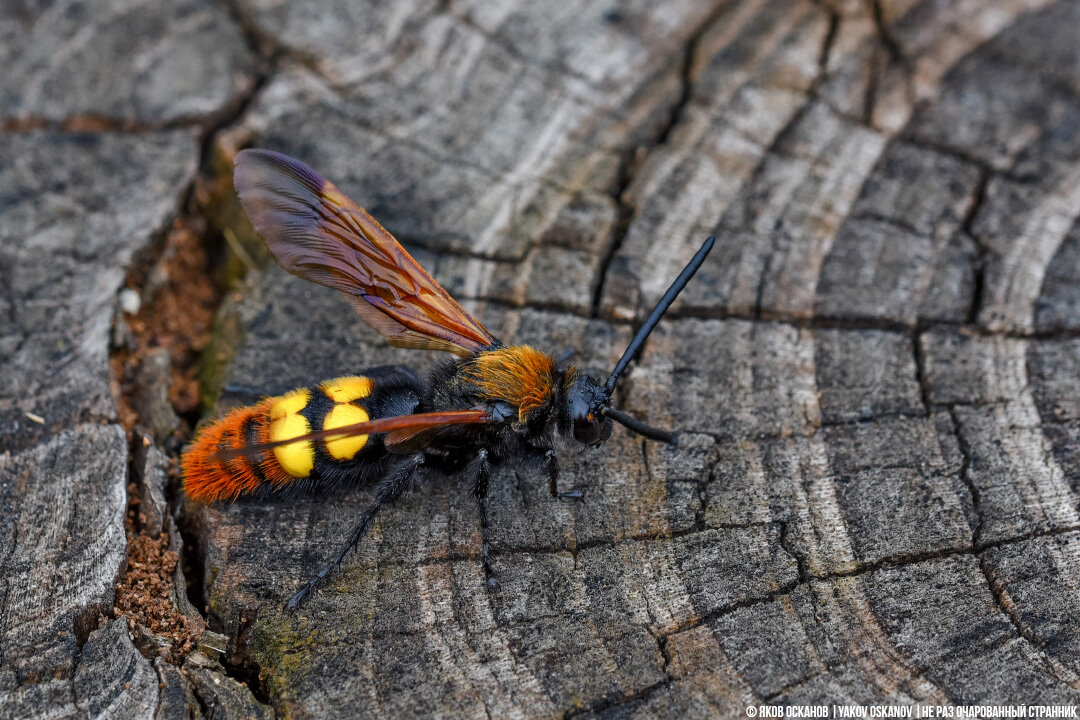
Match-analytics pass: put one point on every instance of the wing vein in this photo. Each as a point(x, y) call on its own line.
point(316, 232)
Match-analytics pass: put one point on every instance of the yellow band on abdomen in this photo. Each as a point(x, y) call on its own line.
point(345, 448)
point(347, 389)
point(296, 458)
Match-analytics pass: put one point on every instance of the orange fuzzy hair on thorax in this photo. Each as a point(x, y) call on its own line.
point(520, 375)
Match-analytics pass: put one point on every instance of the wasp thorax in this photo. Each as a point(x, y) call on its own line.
point(520, 375)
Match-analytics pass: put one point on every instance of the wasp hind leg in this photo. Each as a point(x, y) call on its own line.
point(480, 488)
point(389, 489)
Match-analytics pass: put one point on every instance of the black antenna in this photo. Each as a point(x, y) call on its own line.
point(654, 317)
point(632, 423)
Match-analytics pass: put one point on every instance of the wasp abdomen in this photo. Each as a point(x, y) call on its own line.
point(336, 403)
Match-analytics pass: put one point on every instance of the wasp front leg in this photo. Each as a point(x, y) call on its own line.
point(480, 488)
point(551, 466)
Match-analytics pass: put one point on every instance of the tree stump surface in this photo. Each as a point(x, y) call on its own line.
point(876, 495)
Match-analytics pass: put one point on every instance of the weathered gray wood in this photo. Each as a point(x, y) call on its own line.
point(119, 63)
point(876, 496)
point(855, 462)
point(80, 199)
point(63, 546)
point(76, 208)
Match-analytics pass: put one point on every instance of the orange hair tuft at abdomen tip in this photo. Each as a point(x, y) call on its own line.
point(208, 479)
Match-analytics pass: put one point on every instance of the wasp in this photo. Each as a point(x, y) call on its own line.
point(493, 405)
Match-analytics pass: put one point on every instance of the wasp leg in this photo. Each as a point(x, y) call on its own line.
point(388, 490)
point(551, 464)
point(480, 488)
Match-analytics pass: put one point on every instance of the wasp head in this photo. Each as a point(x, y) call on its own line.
point(587, 403)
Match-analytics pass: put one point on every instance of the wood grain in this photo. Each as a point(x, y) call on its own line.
point(102, 106)
point(876, 496)
point(876, 412)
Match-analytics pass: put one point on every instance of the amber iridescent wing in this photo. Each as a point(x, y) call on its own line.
point(316, 232)
point(407, 425)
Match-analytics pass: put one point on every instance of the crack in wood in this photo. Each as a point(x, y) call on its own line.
point(885, 34)
point(965, 476)
point(84, 124)
point(608, 704)
point(830, 37)
point(1027, 537)
point(629, 160)
point(898, 561)
point(555, 68)
point(801, 561)
point(211, 127)
point(983, 248)
point(271, 52)
point(997, 586)
point(727, 609)
point(627, 212)
point(967, 156)
point(921, 376)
